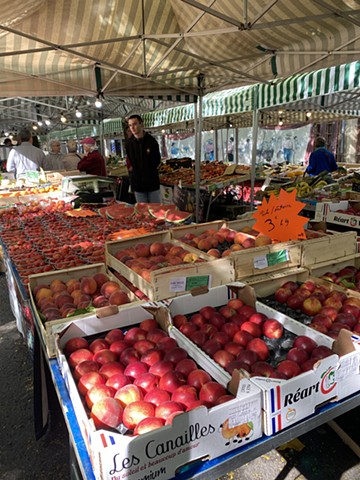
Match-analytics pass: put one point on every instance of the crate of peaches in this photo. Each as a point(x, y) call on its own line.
point(59, 297)
point(278, 353)
point(136, 389)
point(162, 267)
point(252, 253)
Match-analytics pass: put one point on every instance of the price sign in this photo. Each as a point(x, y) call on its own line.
point(278, 217)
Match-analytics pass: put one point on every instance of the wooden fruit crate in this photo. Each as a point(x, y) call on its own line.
point(266, 259)
point(47, 330)
point(196, 228)
point(328, 248)
point(176, 280)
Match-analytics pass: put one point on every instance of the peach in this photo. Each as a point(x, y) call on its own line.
point(205, 244)
point(248, 243)
point(240, 237)
point(214, 252)
point(262, 240)
point(57, 285)
point(42, 293)
point(100, 279)
point(157, 248)
point(190, 258)
point(72, 285)
point(175, 250)
point(137, 411)
point(88, 285)
point(63, 299)
point(142, 250)
point(118, 298)
point(173, 260)
point(108, 288)
point(100, 301)
point(83, 301)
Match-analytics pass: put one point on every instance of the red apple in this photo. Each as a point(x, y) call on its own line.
point(149, 324)
point(311, 306)
point(199, 338)
point(298, 355)
point(143, 346)
point(98, 392)
point(207, 312)
point(109, 369)
point(322, 320)
point(134, 335)
point(223, 358)
point(293, 286)
point(217, 320)
point(175, 355)
point(98, 344)
point(282, 294)
point(211, 391)
point(161, 367)
point(135, 369)
point(246, 310)
point(258, 346)
point(88, 380)
point(252, 328)
point(137, 411)
point(242, 338)
point(211, 346)
point(188, 328)
point(152, 356)
point(233, 348)
point(186, 366)
point(107, 413)
point(235, 303)
point(305, 342)
point(295, 301)
point(230, 328)
point(179, 320)
point(117, 381)
point(79, 356)
point(147, 382)
point(197, 378)
point(118, 346)
point(262, 369)
point(272, 328)
point(289, 368)
point(114, 335)
point(185, 395)
point(157, 396)
point(165, 409)
point(237, 365)
point(347, 319)
point(248, 357)
point(222, 338)
point(129, 355)
point(148, 425)
point(258, 318)
point(170, 381)
point(198, 320)
point(85, 367)
point(128, 394)
point(75, 343)
point(321, 351)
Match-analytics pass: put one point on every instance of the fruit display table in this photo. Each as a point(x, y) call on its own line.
point(205, 470)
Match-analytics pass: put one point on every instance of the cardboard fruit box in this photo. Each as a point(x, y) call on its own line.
point(175, 280)
point(286, 402)
point(47, 329)
point(194, 436)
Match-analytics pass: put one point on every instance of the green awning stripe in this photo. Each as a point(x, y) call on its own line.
point(308, 85)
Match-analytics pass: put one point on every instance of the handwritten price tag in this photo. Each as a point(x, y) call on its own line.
point(278, 217)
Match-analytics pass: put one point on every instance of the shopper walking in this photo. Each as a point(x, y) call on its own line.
point(321, 159)
point(93, 162)
point(143, 154)
point(25, 157)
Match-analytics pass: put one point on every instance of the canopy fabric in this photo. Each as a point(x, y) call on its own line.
point(316, 86)
point(163, 49)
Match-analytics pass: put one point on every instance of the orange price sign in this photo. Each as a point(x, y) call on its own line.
point(278, 217)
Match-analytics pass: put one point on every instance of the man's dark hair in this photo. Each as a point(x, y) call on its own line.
point(320, 142)
point(137, 117)
point(7, 141)
point(25, 135)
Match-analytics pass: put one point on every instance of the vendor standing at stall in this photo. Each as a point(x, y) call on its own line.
point(93, 162)
point(143, 160)
point(321, 159)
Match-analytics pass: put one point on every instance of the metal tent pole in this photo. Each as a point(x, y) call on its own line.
point(198, 134)
point(254, 144)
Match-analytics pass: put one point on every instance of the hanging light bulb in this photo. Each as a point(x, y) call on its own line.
point(281, 122)
point(98, 102)
point(308, 114)
point(63, 118)
point(40, 123)
point(163, 131)
point(35, 127)
point(78, 113)
point(47, 122)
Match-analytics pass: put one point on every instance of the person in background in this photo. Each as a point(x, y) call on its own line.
point(8, 142)
point(321, 159)
point(54, 157)
point(230, 150)
point(72, 158)
point(93, 162)
point(288, 149)
point(143, 155)
point(4, 153)
point(25, 157)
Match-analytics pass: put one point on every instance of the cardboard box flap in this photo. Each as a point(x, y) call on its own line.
point(199, 290)
point(107, 311)
point(343, 344)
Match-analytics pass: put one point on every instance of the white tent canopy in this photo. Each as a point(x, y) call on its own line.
point(160, 48)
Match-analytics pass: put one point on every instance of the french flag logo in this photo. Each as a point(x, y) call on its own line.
point(275, 408)
point(107, 440)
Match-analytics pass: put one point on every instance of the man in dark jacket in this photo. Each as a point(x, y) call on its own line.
point(321, 159)
point(143, 157)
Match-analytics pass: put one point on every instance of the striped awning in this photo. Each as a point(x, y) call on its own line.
point(334, 89)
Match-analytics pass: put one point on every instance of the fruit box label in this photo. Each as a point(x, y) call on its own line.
point(342, 219)
point(200, 434)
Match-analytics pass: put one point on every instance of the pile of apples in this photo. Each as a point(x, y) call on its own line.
point(144, 258)
point(325, 309)
point(222, 242)
point(139, 380)
point(61, 299)
point(347, 277)
point(236, 336)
